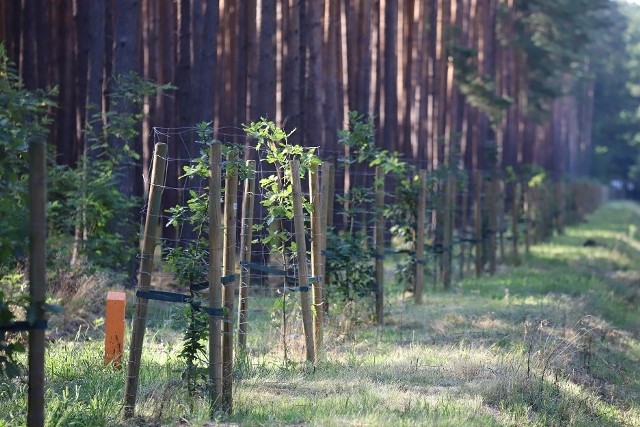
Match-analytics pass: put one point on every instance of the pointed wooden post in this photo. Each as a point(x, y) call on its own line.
point(144, 279)
point(301, 252)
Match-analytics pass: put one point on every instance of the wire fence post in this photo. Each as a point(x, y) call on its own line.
point(543, 207)
point(501, 220)
point(326, 193)
point(379, 244)
point(515, 220)
point(535, 214)
point(215, 277)
point(463, 228)
point(301, 251)
point(477, 217)
point(420, 231)
point(328, 215)
point(562, 206)
point(37, 276)
point(144, 279)
point(246, 237)
point(316, 255)
point(448, 224)
point(492, 201)
point(229, 267)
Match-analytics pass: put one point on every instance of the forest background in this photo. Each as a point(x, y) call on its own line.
point(492, 85)
point(505, 87)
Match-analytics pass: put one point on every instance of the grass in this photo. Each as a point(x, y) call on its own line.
point(554, 341)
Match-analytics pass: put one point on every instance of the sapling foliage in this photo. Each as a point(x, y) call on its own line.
point(277, 199)
point(359, 138)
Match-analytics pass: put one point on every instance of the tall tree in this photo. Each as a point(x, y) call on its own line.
point(315, 99)
point(126, 15)
point(390, 126)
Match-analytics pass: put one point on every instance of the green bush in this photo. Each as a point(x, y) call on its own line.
point(23, 116)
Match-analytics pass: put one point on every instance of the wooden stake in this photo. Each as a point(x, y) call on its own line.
point(331, 195)
point(420, 231)
point(500, 220)
point(229, 268)
point(478, 203)
point(543, 209)
point(447, 240)
point(246, 237)
point(316, 255)
point(303, 270)
point(215, 282)
point(114, 329)
point(463, 230)
point(492, 201)
point(515, 220)
point(527, 218)
point(144, 278)
point(561, 203)
point(37, 276)
point(326, 192)
point(379, 244)
point(535, 211)
point(328, 215)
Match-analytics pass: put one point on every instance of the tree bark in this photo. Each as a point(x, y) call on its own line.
point(390, 130)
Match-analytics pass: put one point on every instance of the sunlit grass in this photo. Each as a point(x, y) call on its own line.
point(553, 341)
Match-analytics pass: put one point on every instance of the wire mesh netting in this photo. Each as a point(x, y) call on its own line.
point(471, 222)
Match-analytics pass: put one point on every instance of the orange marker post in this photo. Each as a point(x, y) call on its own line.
point(114, 329)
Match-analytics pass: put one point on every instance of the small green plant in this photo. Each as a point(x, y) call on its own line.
point(189, 264)
point(87, 201)
point(189, 261)
point(277, 187)
point(277, 200)
point(360, 139)
point(348, 267)
point(282, 309)
point(24, 114)
point(12, 299)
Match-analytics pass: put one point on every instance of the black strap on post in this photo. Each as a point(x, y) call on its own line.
point(199, 287)
point(24, 326)
point(287, 277)
point(264, 268)
point(178, 298)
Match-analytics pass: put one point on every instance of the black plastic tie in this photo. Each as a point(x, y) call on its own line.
point(24, 326)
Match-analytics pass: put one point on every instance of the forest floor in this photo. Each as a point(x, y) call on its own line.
point(553, 341)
